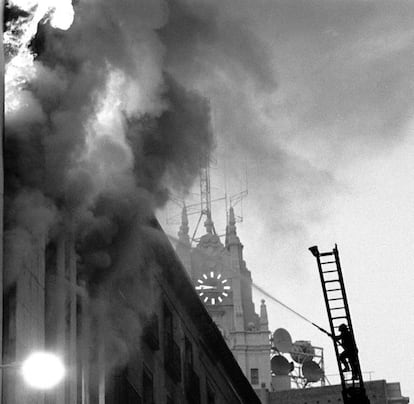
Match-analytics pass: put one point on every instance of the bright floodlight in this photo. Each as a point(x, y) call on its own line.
point(43, 370)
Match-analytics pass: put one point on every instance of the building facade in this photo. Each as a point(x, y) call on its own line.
point(136, 333)
point(224, 284)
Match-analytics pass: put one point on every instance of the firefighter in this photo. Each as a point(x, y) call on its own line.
point(348, 357)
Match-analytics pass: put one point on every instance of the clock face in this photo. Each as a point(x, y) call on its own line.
point(212, 288)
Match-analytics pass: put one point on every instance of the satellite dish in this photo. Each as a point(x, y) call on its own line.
point(280, 365)
point(282, 340)
point(302, 351)
point(312, 371)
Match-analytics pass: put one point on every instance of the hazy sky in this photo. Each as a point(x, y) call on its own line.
point(314, 101)
point(311, 106)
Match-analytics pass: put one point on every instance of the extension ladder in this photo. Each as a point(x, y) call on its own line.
point(353, 390)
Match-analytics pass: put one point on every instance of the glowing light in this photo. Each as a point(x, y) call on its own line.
point(43, 370)
point(60, 12)
point(20, 69)
point(25, 5)
point(62, 15)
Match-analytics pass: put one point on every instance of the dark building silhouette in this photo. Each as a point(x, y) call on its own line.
point(137, 333)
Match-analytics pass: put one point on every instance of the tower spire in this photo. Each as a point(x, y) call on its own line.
point(264, 323)
point(231, 231)
point(232, 222)
point(184, 229)
point(209, 225)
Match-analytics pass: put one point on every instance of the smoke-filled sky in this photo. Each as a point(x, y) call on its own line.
point(314, 101)
point(97, 134)
point(311, 100)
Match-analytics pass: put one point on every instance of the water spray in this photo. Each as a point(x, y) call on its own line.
point(261, 290)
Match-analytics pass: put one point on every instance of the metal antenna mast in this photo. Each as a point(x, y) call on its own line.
point(205, 191)
point(205, 199)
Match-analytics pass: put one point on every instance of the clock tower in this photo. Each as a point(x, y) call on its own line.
point(224, 284)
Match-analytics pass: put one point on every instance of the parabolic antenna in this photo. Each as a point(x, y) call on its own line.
point(302, 351)
point(280, 365)
point(282, 340)
point(312, 371)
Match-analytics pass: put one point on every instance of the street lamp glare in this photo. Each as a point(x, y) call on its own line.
point(43, 370)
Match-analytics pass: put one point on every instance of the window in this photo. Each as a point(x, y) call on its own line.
point(188, 353)
point(172, 352)
point(150, 333)
point(211, 396)
point(191, 379)
point(132, 396)
point(147, 387)
point(118, 389)
point(254, 376)
point(168, 323)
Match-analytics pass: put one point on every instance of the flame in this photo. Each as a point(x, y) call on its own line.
point(60, 12)
point(21, 68)
point(108, 155)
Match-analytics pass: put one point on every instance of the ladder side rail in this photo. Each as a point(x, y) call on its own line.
point(350, 327)
point(342, 283)
point(331, 324)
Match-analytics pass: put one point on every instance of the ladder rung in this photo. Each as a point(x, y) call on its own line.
point(328, 262)
point(331, 280)
point(352, 383)
point(330, 271)
point(332, 290)
point(337, 308)
point(336, 318)
point(325, 254)
point(335, 298)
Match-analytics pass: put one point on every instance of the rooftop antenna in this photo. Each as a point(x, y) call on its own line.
point(237, 198)
point(205, 199)
point(205, 190)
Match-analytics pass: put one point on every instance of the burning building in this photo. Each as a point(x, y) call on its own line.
point(96, 135)
point(140, 335)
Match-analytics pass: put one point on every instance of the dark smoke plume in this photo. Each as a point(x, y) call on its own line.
point(110, 118)
point(100, 136)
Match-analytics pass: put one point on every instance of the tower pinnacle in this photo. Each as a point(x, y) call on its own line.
point(264, 323)
point(209, 225)
point(231, 233)
point(183, 232)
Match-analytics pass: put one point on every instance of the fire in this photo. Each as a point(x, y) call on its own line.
point(108, 125)
point(21, 69)
point(60, 13)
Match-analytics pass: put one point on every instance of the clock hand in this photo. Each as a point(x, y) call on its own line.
point(205, 287)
